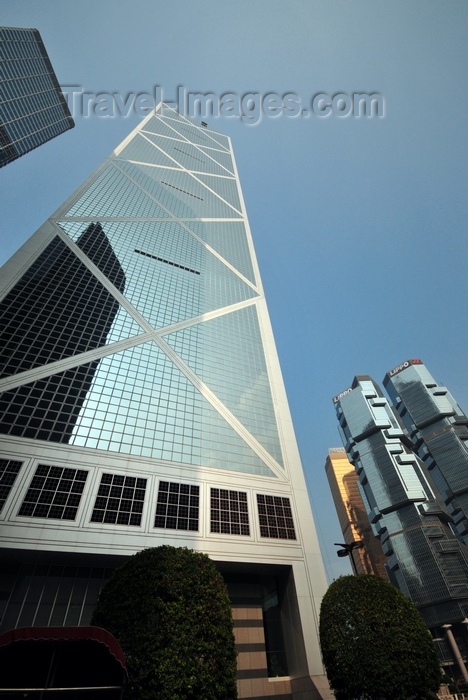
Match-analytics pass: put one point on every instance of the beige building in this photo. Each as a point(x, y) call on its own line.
point(352, 515)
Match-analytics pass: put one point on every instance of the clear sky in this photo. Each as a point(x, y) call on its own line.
point(359, 223)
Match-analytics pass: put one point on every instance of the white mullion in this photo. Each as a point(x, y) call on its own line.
point(220, 408)
point(181, 223)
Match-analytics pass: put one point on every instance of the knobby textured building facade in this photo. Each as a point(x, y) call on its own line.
point(32, 107)
point(352, 515)
point(143, 404)
point(424, 558)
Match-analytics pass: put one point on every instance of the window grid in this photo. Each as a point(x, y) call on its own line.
point(58, 308)
point(229, 512)
point(41, 595)
point(9, 470)
point(178, 506)
point(33, 110)
point(227, 354)
point(120, 500)
point(54, 492)
point(275, 516)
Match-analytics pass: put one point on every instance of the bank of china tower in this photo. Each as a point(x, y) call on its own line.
point(142, 404)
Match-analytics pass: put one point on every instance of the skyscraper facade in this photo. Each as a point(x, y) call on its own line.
point(424, 558)
point(32, 108)
point(352, 515)
point(439, 431)
point(144, 405)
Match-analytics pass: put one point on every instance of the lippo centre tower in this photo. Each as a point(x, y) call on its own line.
point(143, 404)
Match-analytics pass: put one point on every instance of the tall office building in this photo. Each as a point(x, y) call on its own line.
point(439, 431)
point(352, 515)
point(424, 558)
point(144, 405)
point(32, 107)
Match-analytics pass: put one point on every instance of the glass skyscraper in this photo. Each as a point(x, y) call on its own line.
point(439, 431)
point(143, 404)
point(32, 107)
point(424, 558)
point(352, 515)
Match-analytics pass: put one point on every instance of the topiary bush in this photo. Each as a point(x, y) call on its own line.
point(374, 642)
point(169, 609)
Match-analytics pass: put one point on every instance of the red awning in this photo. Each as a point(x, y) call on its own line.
point(96, 634)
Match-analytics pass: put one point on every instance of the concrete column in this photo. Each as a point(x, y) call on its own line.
point(456, 651)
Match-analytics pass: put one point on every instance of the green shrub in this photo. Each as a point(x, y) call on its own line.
point(374, 642)
point(169, 609)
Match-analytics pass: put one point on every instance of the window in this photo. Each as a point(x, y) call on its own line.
point(9, 470)
point(178, 506)
point(275, 647)
point(120, 500)
point(275, 517)
point(39, 593)
point(229, 512)
point(54, 492)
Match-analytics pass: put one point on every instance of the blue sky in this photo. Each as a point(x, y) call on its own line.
point(359, 223)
